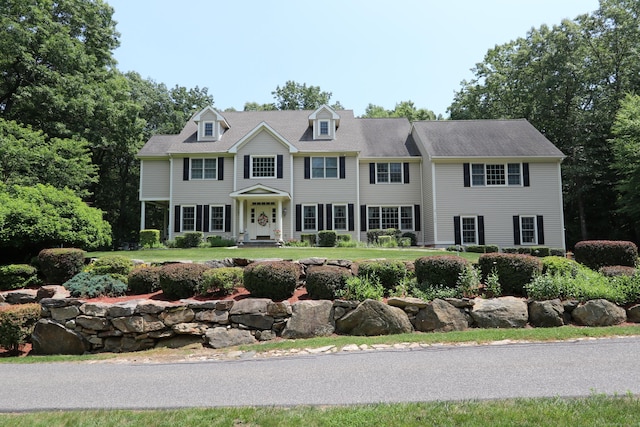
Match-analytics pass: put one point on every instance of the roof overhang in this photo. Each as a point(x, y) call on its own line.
point(263, 126)
point(260, 191)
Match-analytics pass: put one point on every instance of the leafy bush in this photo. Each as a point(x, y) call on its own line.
point(16, 276)
point(60, 264)
point(17, 323)
point(309, 239)
point(404, 242)
point(180, 242)
point(111, 264)
point(538, 251)
point(223, 280)
point(514, 270)
point(373, 236)
point(617, 270)
point(150, 238)
point(388, 272)
point(482, 249)
point(360, 288)
point(387, 241)
point(88, 285)
point(412, 236)
point(181, 280)
point(600, 253)
point(327, 238)
point(324, 281)
point(456, 248)
point(431, 292)
point(276, 280)
point(510, 250)
point(559, 265)
point(192, 239)
point(344, 241)
point(144, 280)
point(297, 243)
point(557, 252)
point(441, 270)
point(219, 242)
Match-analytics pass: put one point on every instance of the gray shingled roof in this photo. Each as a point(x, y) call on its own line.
point(484, 138)
point(370, 137)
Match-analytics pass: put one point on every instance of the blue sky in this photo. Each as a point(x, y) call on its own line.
point(379, 52)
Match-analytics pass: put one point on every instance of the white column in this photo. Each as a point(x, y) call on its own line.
point(279, 220)
point(241, 216)
point(142, 216)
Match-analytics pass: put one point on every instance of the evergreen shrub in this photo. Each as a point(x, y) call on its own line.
point(150, 238)
point(443, 270)
point(17, 323)
point(60, 264)
point(223, 280)
point(89, 285)
point(324, 281)
point(181, 280)
point(276, 280)
point(16, 276)
point(192, 239)
point(144, 280)
point(514, 270)
point(327, 238)
point(600, 253)
point(388, 272)
point(482, 249)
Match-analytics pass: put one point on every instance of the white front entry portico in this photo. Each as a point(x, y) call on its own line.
point(260, 212)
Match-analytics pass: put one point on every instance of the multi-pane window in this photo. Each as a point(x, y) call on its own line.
point(263, 166)
point(477, 174)
point(339, 217)
point(324, 128)
point(208, 129)
point(216, 218)
point(324, 167)
point(406, 218)
point(400, 217)
point(469, 230)
point(528, 230)
point(389, 217)
point(309, 218)
point(204, 168)
point(388, 172)
point(188, 218)
point(513, 171)
point(496, 174)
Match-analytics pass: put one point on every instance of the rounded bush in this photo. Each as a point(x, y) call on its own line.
point(60, 264)
point(16, 276)
point(88, 285)
point(223, 280)
point(514, 270)
point(388, 272)
point(600, 253)
point(324, 281)
point(327, 238)
point(181, 280)
point(17, 323)
point(111, 264)
point(276, 280)
point(149, 238)
point(144, 280)
point(440, 270)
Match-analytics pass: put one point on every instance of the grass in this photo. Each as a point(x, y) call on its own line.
point(594, 410)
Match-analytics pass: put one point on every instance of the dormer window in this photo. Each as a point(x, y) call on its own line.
point(208, 129)
point(324, 128)
point(324, 121)
point(211, 124)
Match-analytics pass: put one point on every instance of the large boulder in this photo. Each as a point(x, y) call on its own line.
point(440, 316)
point(221, 337)
point(374, 318)
point(50, 337)
point(310, 319)
point(599, 312)
point(633, 313)
point(546, 314)
point(503, 312)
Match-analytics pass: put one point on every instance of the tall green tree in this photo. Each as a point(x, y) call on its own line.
point(402, 109)
point(295, 96)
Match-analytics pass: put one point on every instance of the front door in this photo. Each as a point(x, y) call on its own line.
point(262, 220)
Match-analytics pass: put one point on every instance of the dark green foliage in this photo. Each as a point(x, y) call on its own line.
point(112, 264)
point(17, 323)
point(344, 237)
point(223, 280)
point(482, 249)
point(327, 238)
point(310, 239)
point(16, 276)
point(192, 239)
point(539, 251)
point(144, 280)
point(180, 242)
point(557, 252)
point(88, 285)
point(510, 250)
point(276, 280)
point(412, 236)
point(599, 253)
point(149, 238)
point(60, 264)
point(559, 265)
point(443, 270)
point(514, 270)
point(388, 272)
point(325, 280)
point(219, 242)
point(374, 234)
point(617, 270)
point(181, 280)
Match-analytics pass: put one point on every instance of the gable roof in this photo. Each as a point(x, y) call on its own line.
point(484, 138)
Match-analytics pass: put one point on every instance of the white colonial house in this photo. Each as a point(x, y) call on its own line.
point(272, 175)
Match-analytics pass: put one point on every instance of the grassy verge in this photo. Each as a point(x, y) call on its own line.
point(594, 410)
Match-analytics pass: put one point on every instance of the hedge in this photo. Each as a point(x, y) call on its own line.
point(16, 276)
point(17, 323)
point(440, 270)
point(388, 272)
point(60, 264)
point(324, 281)
point(600, 253)
point(223, 280)
point(149, 238)
point(144, 280)
point(514, 270)
point(181, 280)
point(276, 280)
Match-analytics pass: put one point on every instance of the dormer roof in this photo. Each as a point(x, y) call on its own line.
point(334, 116)
point(210, 110)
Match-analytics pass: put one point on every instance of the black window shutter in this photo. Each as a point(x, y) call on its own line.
point(199, 217)
point(363, 217)
point(227, 218)
point(247, 166)
point(467, 174)
point(351, 214)
point(343, 173)
point(220, 168)
point(457, 238)
point(320, 214)
point(329, 216)
point(279, 161)
point(372, 173)
point(307, 168)
point(185, 169)
point(417, 221)
point(405, 168)
point(540, 229)
point(480, 230)
point(298, 217)
point(516, 230)
point(525, 174)
point(176, 219)
point(205, 218)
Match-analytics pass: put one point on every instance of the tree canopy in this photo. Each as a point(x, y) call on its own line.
point(402, 109)
point(295, 96)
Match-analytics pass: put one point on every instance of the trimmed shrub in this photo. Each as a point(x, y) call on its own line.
point(219, 242)
point(223, 280)
point(373, 234)
point(149, 238)
point(17, 323)
point(344, 237)
point(180, 242)
point(559, 265)
point(617, 270)
point(510, 250)
point(192, 239)
point(88, 285)
point(482, 249)
point(360, 288)
point(514, 270)
point(144, 280)
point(16, 276)
point(388, 272)
point(387, 241)
point(324, 281)
point(309, 239)
point(455, 248)
point(443, 270)
point(276, 280)
point(600, 253)
point(412, 236)
point(60, 264)
point(181, 280)
point(557, 252)
point(404, 242)
point(112, 264)
point(327, 238)
point(538, 251)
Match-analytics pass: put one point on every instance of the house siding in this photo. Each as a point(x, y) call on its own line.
point(154, 181)
point(264, 144)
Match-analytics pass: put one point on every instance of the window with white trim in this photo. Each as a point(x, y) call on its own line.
point(324, 127)
point(339, 217)
point(528, 230)
point(381, 217)
point(324, 167)
point(216, 218)
point(496, 175)
point(208, 129)
point(469, 230)
point(388, 173)
point(263, 166)
point(309, 218)
point(204, 168)
point(188, 216)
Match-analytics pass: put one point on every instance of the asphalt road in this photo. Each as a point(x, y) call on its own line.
point(578, 368)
